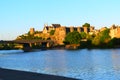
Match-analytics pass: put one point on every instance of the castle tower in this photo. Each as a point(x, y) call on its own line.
point(85, 29)
point(79, 29)
point(60, 34)
point(32, 30)
point(91, 28)
point(113, 26)
point(71, 29)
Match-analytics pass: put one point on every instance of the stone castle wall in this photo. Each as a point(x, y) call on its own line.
point(59, 35)
point(32, 30)
point(61, 32)
point(115, 32)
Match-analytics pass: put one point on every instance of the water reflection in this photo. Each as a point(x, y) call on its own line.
point(116, 62)
point(83, 64)
point(55, 63)
point(8, 52)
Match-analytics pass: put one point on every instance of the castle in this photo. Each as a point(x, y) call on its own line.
point(60, 32)
point(115, 31)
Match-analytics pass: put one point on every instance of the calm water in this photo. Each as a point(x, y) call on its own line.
point(82, 64)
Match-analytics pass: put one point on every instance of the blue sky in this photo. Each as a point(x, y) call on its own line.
point(17, 16)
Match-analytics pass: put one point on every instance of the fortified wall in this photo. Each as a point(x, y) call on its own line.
point(61, 31)
point(115, 31)
point(59, 34)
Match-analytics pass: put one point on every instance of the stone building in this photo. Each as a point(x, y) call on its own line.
point(115, 31)
point(47, 28)
point(32, 30)
point(61, 32)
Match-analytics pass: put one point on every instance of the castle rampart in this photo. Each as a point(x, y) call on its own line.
point(115, 31)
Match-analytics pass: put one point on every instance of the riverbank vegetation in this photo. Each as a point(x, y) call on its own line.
point(7, 46)
point(100, 40)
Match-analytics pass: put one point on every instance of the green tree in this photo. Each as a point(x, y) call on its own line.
point(52, 32)
point(83, 35)
point(115, 42)
point(73, 38)
point(86, 25)
point(96, 41)
point(29, 37)
point(90, 37)
point(102, 38)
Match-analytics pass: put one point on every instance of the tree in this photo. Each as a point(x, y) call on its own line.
point(73, 38)
point(102, 38)
point(96, 41)
point(52, 32)
point(29, 37)
point(115, 42)
point(90, 37)
point(83, 35)
point(86, 25)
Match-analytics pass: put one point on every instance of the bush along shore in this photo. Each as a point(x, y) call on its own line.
point(75, 40)
point(112, 44)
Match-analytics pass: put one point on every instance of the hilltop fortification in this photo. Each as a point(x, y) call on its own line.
point(59, 32)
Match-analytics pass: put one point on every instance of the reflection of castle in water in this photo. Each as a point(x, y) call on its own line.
point(115, 60)
point(55, 63)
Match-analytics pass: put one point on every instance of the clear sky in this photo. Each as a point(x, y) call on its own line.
point(17, 16)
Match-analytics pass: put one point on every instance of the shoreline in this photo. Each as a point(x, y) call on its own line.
point(63, 48)
point(66, 47)
point(8, 74)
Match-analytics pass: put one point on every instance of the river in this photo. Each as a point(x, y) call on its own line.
point(95, 64)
